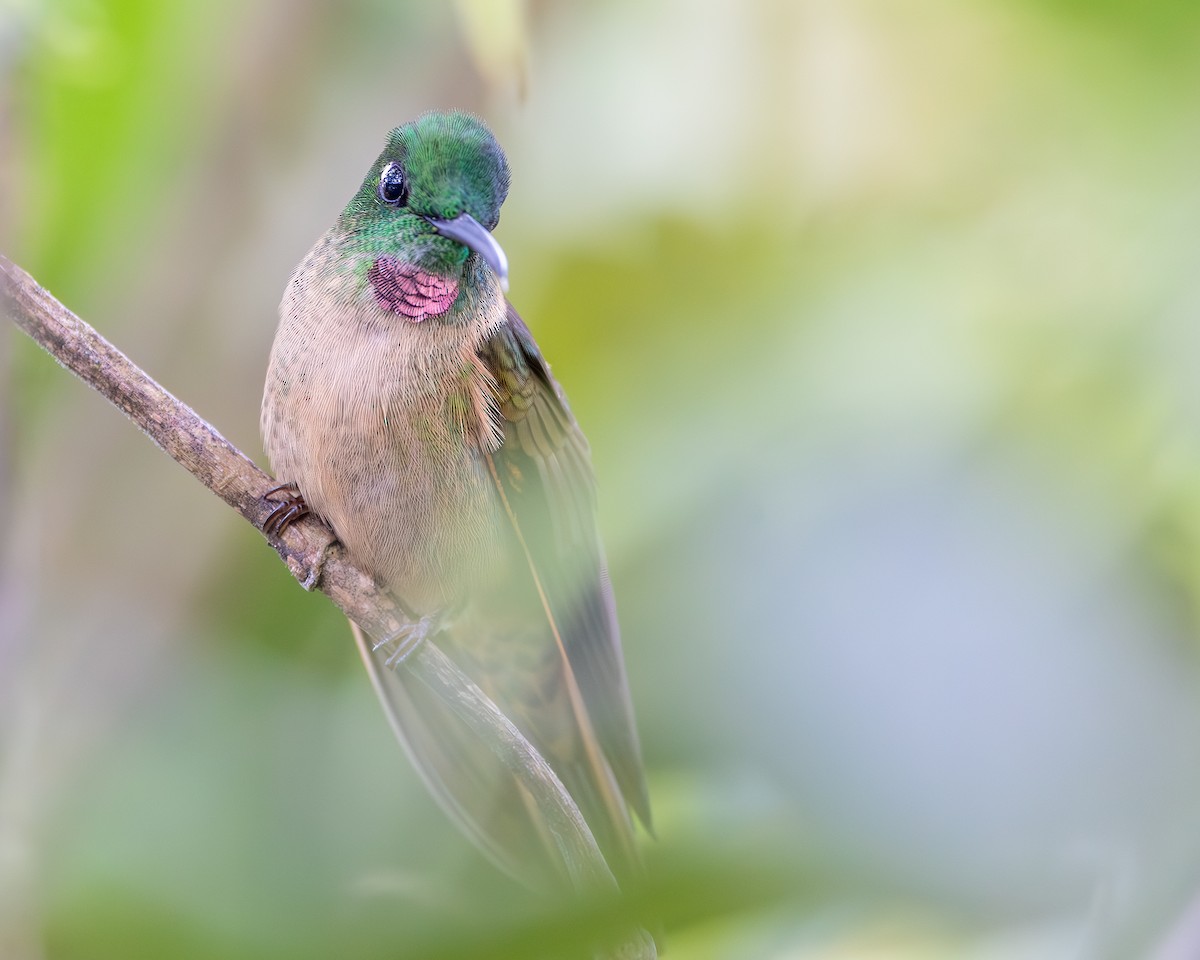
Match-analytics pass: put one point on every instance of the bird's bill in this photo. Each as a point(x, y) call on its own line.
point(474, 235)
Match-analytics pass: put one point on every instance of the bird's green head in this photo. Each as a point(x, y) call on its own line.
point(426, 211)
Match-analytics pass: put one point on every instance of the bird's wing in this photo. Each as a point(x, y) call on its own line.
point(543, 474)
point(548, 652)
point(487, 802)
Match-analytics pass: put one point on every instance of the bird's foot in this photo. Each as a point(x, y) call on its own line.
point(289, 507)
point(402, 643)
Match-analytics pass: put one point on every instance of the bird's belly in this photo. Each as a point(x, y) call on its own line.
point(420, 517)
point(404, 489)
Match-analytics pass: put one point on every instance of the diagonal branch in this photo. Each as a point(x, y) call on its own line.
point(307, 547)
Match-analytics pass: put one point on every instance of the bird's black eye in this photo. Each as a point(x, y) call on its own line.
point(392, 188)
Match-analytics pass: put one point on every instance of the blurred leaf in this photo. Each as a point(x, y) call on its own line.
point(497, 36)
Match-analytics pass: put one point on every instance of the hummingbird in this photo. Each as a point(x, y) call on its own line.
point(408, 406)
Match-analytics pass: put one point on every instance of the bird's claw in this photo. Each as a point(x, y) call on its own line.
point(400, 645)
point(288, 508)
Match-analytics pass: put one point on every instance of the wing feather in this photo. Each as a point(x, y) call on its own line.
point(553, 507)
point(479, 794)
point(547, 650)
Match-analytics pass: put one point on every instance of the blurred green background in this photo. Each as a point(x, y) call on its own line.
point(882, 317)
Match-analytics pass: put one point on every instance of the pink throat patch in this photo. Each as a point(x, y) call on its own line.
point(409, 291)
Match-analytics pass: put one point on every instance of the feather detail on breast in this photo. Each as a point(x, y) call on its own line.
point(381, 423)
point(404, 289)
